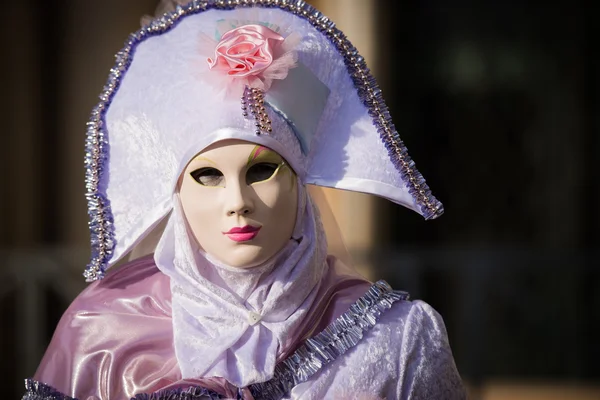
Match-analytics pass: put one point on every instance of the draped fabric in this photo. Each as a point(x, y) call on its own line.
point(405, 356)
point(116, 339)
point(231, 322)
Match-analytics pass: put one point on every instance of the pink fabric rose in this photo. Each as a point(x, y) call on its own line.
point(247, 50)
point(253, 55)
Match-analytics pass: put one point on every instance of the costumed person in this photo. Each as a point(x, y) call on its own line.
point(214, 119)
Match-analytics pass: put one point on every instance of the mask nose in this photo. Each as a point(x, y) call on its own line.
point(238, 200)
point(241, 211)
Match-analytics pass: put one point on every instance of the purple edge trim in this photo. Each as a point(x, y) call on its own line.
point(191, 393)
point(101, 229)
point(40, 391)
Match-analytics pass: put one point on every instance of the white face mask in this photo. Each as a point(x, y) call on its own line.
point(240, 201)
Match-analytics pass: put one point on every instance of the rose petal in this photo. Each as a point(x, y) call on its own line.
point(246, 53)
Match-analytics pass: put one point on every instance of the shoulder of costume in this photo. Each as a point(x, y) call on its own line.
point(132, 279)
point(314, 355)
point(343, 334)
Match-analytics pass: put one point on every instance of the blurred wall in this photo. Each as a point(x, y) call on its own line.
point(355, 212)
point(60, 54)
point(498, 104)
point(56, 57)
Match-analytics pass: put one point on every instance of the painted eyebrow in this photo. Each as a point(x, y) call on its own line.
point(202, 158)
point(260, 152)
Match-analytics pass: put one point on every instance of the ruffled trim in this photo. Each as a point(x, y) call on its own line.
point(340, 336)
point(40, 391)
point(192, 393)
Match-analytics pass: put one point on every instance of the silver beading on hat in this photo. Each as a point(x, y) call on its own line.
point(253, 106)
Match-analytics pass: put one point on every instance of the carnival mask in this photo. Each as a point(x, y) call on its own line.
point(240, 201)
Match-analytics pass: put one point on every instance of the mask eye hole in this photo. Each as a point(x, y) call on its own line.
point(208, 176)
point(260, 172)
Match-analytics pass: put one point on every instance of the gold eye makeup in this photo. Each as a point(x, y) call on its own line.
point(263, 164)
point(261, 172)
point(261, 154)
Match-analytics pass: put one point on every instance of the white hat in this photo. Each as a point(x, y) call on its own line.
point(173, 91)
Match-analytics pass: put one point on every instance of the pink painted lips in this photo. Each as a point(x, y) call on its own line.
point(243, 234)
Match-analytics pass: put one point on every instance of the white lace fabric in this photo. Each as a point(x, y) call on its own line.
point(230, 322)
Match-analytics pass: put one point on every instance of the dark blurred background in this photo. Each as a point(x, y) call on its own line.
point(498, 103)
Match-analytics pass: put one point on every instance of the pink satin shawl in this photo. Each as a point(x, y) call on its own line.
point(116, 339)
